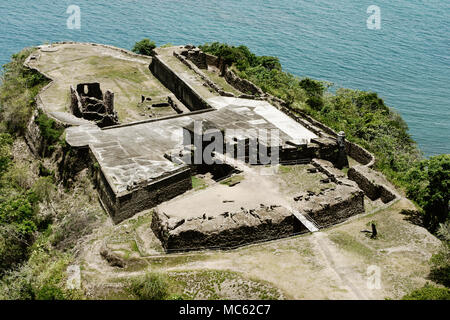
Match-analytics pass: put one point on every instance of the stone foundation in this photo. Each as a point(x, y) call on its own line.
point(226, 231)
point(88, 102)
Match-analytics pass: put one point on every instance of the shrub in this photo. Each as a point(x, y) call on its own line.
point(429, 185)
point(17, 284)
point(43, 188)
point(18, 210)
point(50, 292)
point(145, 47)
point(440, 262)
point(429, 292)
point(51, 131)
point(152, 286)
point(312, 87)
point(13, 247)
point(18, 176)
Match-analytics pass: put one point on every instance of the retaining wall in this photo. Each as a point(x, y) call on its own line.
point(225, 231)
point(373, 184)
point(182, 90)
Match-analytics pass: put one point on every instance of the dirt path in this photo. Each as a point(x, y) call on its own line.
point(340, 266)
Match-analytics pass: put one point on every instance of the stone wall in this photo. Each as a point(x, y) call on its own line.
point(243, 85)
point(197, 57)
point(212, 60)
point(360, 154)
point(93, 105)
point(372, 183)
point(333, 205)
point(125, 205)
point(33, 136)
point(226, 231)
point(183, 91)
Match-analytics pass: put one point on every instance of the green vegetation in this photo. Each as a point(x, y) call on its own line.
point(218, 285)
point(18, 206)
point(50, 131)
point(439, 271)
point(145, 47)
point(365, 119)
point(429, 185)
point(152, 286)
point(198, 183)
point(429, 292)
point(233, 180)
point(440, 262)
point(19, 87)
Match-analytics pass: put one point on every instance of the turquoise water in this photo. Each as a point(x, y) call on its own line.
point(407, 61)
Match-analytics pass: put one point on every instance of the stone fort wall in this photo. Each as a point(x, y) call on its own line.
point(182, 90)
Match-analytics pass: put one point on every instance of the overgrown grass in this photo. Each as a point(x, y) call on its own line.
point(152, 286)
point(19, 86)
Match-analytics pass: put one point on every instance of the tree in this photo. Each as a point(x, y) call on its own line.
point(145, 47)
point(428, 185)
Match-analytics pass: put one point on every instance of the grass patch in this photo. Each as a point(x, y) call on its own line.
point(218, 285)
point(233, 180)
point(351, 244)
point(198, 183)
point(152, 286)
point(296, 178)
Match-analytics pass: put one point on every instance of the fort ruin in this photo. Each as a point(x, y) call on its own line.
point(148, 163)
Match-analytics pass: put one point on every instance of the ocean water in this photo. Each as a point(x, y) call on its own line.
point(406, 61)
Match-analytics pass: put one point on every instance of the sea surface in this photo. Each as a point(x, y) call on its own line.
point(406, 61)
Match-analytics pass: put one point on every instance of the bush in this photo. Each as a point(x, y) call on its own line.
point(18, 176)
point(17, 225)
point(43, 188)
point(429, 292)
point(51, 131)
point(429, 185)
point(440, 262)
point(13, 247)
point(152, 286)
point(18, 210)
point(17, 284)
point(145, 47)
point(49, 292)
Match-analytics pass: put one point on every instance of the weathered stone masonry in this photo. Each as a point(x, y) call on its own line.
point(88, 102)
point(180, 88)
point(225, 231)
